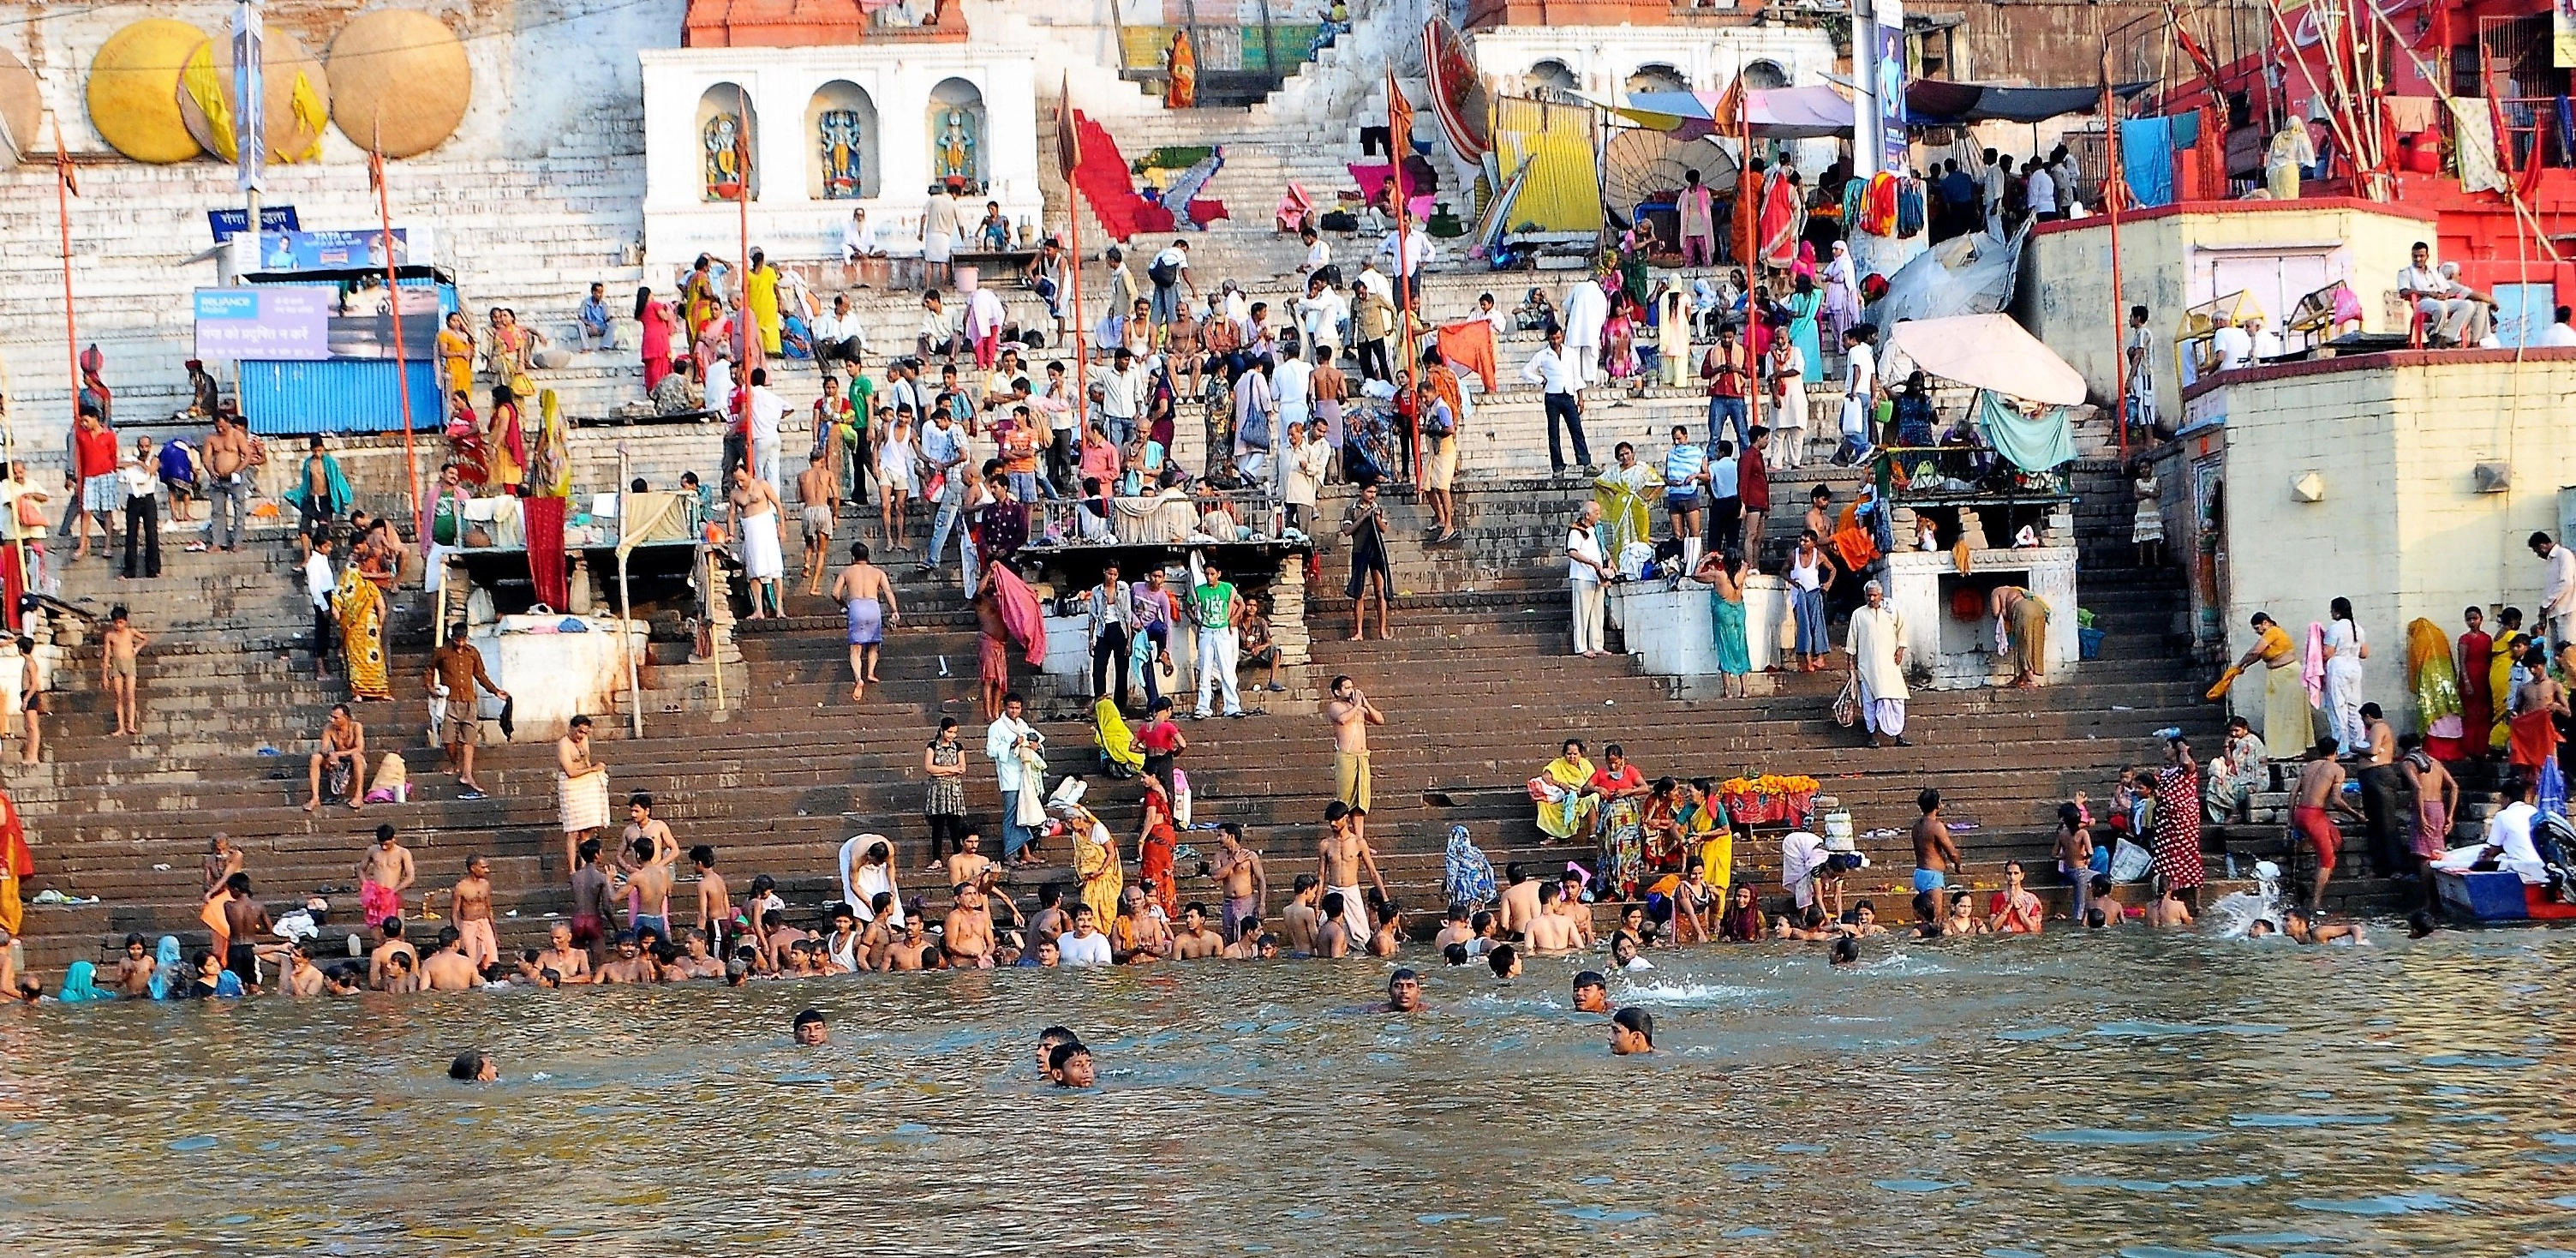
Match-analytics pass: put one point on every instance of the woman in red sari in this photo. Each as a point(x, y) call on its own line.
point(659, 322)
point(2477, 693)
point(1154, 849)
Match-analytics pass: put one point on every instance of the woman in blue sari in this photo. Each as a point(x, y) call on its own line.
point(1803, 305)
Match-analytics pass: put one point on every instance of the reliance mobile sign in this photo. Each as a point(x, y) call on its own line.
point(276, 322)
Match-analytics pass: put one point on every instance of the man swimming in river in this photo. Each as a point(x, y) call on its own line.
point(1404, 992)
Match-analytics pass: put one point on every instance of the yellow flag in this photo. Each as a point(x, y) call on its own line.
point(202, 85)
point(312, 116)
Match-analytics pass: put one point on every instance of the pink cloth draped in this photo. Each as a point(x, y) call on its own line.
point(1021, 613)
point(2312, 672)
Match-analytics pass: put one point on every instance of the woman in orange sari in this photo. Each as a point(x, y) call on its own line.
point(505, 443)
point(1154, 849)
point(1182, 92)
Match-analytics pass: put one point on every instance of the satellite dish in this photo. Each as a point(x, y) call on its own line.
point(1647, 165)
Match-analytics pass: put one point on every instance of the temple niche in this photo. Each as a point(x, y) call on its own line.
point(957, 132)
point(842, 165)
point(724, 144)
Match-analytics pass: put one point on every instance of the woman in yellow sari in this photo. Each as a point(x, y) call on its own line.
point(456, 353)
point(1095, 861)
point(2509, 635)
point(700, 303)
point(1564, 811)
point(1625, 493)
point(361, 609)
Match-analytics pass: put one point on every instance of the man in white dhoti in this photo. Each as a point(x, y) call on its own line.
point(1877, 647)
point(754, 508)
point(581, 788)
point(1586, 309)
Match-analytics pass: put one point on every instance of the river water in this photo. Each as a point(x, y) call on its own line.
point(2138, 1095)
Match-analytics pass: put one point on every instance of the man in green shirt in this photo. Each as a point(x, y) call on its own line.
point(1217, 612)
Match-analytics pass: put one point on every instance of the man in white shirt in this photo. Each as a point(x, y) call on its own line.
point(2558, 600)
point(2042, 193)
point(1084, 944)
point(142, 476)
point(1121, 383)
point(839, 336)
point(1321, 315)
point(1586, 569)
point(765, 411)
point(1406, 253)
point(934, 338)
point(1991, 185)
point(1170, 272)
point(2267, 343)
point(1004, 740)
point(1376, 280)
point(938, 233)
point(1288, 388)
point(1860, 393)
point(2562, 333)
point(2451, 316)
point(859, 239)
point(943, 447)
point(1319, 255)
point(2508, 839)
point(1256, 422)
point(318, 584)
point(2231, 345)
point(1562, 386)
point(1725, 499)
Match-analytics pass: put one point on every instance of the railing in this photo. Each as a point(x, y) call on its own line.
point(1172, 518)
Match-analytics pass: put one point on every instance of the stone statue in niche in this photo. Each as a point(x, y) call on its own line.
point(724, 161)
point(953, 145)
point(838, 133)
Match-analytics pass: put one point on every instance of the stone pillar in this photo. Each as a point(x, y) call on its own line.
point(1288, 613)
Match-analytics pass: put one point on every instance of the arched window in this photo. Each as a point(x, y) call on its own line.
point(1657, 77)
point(956, 122)
point(841, 163)
point(1553, 80)
point(725, 123)
point(1764, 75)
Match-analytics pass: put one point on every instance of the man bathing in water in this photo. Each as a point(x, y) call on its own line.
point(469, 905)
point(1550, 933)
point(1341, 858)
point(2321, 788)
point(867, 598)
point(1238, 872)
point(966, 935)
point(1195, 941)
point(570, 964)
point(383, 875)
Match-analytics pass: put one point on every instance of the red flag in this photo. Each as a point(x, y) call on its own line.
point(63, 162)
point(1399, 131)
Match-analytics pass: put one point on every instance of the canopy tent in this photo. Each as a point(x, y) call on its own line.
point(1987, 351)
point(1939, 103)
point(1778, 113)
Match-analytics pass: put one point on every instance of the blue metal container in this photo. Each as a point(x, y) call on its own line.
point(348, 395)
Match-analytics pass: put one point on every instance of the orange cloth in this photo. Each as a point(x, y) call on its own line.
point(1469, 346)
point(1852, 542)
point(213, 916)
point(2534, 740)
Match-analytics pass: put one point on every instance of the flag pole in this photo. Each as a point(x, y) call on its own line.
point(1399, 125)
point(1069, 155)
point(2113, 193)
point(65, 183)
point(402, 363)
point(1747, 209)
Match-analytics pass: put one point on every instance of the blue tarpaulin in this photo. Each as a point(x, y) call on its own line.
point(2146, 160)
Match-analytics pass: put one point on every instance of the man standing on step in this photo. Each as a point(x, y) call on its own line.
point(2320, 788)
point(383, 876)
point(1877, 648)
point(469, 905)
point(943, 448)
point(2558, 597)
point(1112, 609)
point(1008, 743)
point(456, 671)
point(1170, 270)
point(1753, 486)
point(818, 499)
point(1340, 860)
point(867, 596)
point(1351, 714)
point(581, 789)
point(1218, 614)
point(1558, 378)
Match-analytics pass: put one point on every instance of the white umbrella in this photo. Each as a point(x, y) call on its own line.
point(1986, 351)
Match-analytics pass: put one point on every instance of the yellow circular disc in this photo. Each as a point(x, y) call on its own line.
point(399, 82)
point(293, 134)
point(134, 88)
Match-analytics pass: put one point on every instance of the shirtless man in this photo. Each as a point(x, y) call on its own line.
point(752, 498)
point(1194, 941)
point(818, 494)
point(967, 934)
point(344, 749)
point(1140, 937)
point(390, 945)
point(2163, 907)
point(224, 858)
point(695, 961)
point(1302, 915)
point(876, 943)
point(1333, 935)
point(648, 891)
point(383, 876)
point(1247, 941)
point(1340, 859)
point(2304, 928)
point(966, 864)
point(1453, 929)
point(642, 824)
point(117, 650)
point(2320, 788)
point(1404, 993)
point(776, 938)
point(589, 928)
point(581, 790)
point(1550, 933)
point(448, 969)
point(1519, 904)
point(1591, 993)
point(867, 601)
point(1568, 904)
point(1238, 872)
point(715, 900)
point(914, 951)
point(31, 697)
point(1050, 920)
point(1935, 855)
point(302, 977)
point(630, 965)
point(469, 905)
point(570, 964)
point(230, 454)
point(1351, 714)
point(244, 922)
